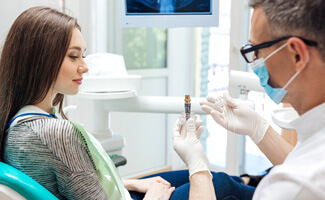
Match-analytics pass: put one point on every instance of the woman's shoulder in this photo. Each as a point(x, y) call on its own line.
point(60, 136)
point(47, 130)
point(47, 125)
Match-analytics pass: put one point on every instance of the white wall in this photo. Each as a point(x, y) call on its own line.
point(92, 17)
point(11, 9)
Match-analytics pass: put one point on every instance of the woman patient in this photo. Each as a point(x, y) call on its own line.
point(41, 61)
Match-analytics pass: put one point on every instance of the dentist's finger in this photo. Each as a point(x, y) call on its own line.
point(212, 105)
point(176, 129)
point(199, 132)
point(190, 127)
point(210, 99)
point(183, 132)
point(219, 118)
point(230, 101)
point(198, 123)
point(209, 109)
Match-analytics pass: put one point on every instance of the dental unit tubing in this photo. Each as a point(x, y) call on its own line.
point(153, 104)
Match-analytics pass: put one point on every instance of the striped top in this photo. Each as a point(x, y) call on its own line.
point(52, 152)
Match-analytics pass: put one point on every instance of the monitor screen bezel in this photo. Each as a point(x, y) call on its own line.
point(170, 20)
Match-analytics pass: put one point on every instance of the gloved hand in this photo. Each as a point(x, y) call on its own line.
point(236, 117)
point(188, 147)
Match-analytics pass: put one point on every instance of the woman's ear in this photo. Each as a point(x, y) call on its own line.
point(298, 53)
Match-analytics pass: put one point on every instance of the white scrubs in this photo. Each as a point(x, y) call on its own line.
point(302, 175)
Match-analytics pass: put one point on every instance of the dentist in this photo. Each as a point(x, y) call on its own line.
point(287, 53)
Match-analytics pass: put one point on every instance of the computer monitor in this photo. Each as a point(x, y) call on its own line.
point(169, 13)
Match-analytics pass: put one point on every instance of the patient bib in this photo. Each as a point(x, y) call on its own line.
point(106, 170)
point(109, 178)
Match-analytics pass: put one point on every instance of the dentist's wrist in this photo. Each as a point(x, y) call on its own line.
point(199, 165)
point(260, 131)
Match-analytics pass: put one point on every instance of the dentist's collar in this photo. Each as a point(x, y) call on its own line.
point(310, 122)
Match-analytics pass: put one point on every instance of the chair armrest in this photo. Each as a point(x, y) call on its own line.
point(23, 184)
point(118, 160)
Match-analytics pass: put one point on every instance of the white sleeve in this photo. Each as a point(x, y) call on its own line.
point(283, 187)
point(278, 190)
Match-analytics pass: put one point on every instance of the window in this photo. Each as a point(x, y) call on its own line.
point(218, 77)
point(144, 47)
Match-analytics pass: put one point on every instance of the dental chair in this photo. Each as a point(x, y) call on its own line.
point(16, 185)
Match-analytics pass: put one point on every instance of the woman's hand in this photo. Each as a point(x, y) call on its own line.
point(143, 185)
point(159, 191)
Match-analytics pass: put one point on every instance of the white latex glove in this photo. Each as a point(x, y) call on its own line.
point(235, 116)
point(188, 147)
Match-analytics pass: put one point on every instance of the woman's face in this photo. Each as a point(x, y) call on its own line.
point(73, 66)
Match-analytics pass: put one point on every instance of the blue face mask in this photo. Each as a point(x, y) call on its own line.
point(259, 68)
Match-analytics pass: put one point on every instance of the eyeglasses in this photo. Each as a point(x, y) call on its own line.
point(250, 52)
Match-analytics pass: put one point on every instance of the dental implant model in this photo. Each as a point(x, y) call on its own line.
point(187, 106)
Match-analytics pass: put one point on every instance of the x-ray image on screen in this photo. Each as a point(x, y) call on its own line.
point(136, 7)
point(169, 13)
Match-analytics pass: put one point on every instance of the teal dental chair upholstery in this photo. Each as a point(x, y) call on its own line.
point(16, 185)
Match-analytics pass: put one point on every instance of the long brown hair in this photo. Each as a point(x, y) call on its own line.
point(31, 58)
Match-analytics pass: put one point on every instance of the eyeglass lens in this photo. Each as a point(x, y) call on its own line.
point(250, 56)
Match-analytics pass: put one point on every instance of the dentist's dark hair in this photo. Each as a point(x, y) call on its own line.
point(31, 58)
point(303, 18)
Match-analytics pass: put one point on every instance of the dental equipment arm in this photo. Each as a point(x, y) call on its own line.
point(188, 147)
